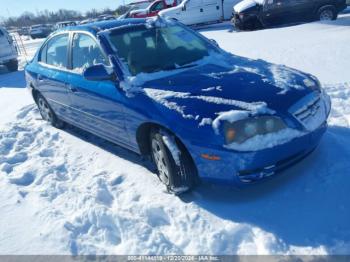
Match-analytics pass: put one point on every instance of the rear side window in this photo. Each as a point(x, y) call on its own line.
point(55, 52)
point(86, 52)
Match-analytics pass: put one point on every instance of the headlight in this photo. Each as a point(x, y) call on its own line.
point(240, 131)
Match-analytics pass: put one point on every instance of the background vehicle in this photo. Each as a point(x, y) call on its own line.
point(40, 31)
point(153, 9)
point(106, 17)
point(191, 12)
point(253, 14)
point(65, 24)
point(8, 52)
point(24, 31)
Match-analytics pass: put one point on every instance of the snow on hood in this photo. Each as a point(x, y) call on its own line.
point(164, 98)
point(245, 4)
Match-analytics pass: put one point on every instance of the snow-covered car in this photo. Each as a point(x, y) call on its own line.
point(166, 92)
point(8, 51)
point(40, 31)
point(255, 14)
point(191, 12)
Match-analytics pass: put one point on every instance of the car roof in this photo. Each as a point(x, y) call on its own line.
point(95, 27)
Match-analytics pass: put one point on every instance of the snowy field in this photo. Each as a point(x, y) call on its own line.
point(68, 192)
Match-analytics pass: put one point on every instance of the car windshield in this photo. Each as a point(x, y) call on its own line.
point(155, 49)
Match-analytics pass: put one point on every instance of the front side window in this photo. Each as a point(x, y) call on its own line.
point(156, 49)
point(86, 52)
point(55, 53)
point(157, 7)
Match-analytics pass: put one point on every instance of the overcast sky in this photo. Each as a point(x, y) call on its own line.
point(17, 7)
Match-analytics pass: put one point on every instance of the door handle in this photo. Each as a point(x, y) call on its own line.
point(72, 88)
point(201, 10)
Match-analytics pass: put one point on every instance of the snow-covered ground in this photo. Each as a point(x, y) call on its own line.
point(68, 192)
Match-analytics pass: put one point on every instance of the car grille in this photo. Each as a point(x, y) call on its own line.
point(310, 111)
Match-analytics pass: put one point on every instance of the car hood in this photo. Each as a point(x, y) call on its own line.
point(246, 4)
point(204, 91)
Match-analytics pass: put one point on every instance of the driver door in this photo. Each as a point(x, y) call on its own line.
point(277, 12)
point(97, 105)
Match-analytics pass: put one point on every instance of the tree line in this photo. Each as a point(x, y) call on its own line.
point(52, 17)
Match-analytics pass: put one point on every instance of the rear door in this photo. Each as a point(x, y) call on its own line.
point(301, 10)
point(97, 105)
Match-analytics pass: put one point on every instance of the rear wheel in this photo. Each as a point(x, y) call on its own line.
point(47, 113)
point(327, 13)
point(12, 66)
point(175, 167)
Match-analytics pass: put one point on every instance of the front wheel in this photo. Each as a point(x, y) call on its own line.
point(174, 164)
point(47, 113)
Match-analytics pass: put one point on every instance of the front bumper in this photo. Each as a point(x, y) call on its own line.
point(240, 168)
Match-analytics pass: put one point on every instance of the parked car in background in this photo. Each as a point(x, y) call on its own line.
point(153, 9)
point(254, 14)
point(40, 31)
point(238, 120)
point(24, 31)
point(106, 17)
point(191, 12)
point(87, 21)
point(8, 51)
point(65, 24)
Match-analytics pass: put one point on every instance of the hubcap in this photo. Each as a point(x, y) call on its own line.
point(159, 159)
point(44, 110)
point(326, 15)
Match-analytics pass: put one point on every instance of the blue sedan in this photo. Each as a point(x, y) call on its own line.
point(166, 92)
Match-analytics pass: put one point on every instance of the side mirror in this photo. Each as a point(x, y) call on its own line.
point(97, 73)
point(183, 7)
point(214, 42)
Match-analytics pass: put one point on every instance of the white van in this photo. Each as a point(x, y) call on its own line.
point(8, 52)
point(191, 12)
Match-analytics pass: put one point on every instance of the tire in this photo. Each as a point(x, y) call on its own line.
point(47, 113)
point(12, 66)
point(327, 13)
point(178, 177)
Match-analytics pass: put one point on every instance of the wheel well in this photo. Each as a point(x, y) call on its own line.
point(324, 7)
point(143, 140)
